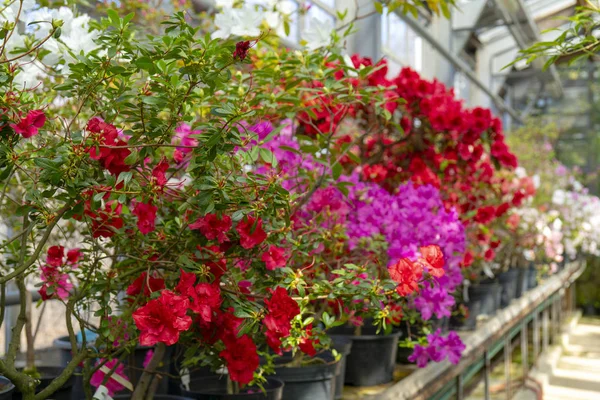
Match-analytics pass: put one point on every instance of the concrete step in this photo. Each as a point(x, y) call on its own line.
point(581, 363)
point(562, 393)
point(577, 379)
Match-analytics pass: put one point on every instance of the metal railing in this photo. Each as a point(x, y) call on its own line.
point(502, 351)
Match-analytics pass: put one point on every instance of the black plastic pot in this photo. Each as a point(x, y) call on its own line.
point(156, 397)
point(489, 293)
point(522, 281)
point(174, 385)
point(342, 345)
point(309, 382)
point(402, 355)
point(531, 277)
point(373, 357)
point(215, 388)
point(6, 389)
point(508, 282)
point(48, 374)
point(484, 299)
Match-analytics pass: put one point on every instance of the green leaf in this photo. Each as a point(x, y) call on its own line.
point(378, 7)
point(114, 18)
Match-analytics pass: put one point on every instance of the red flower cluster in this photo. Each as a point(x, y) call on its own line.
point(242, 359)
point(213, 227)
point(251, 232)
point(111, 158)
point(274, 257)
point(29, 126)
point(163, 319)
point(146, 215)
point(205, 298)
point(145, 284)
point(105, 222)
point(281, 310)
point(159, 172)
point(241, 50)
point(408, 273)
point(55, 279)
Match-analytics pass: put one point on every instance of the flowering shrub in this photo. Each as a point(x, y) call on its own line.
point(236, 198)
point(150, 153)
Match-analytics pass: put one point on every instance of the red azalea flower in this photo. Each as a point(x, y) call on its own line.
point(111, 158)
point(206, 300)
point(228, 325)
point(105, 222)
point(186, 282)
point(241, 358)
point(73, 256)
point(241, 49)
point(407, 274)
point(518, 199)
point(489, 254)
point(433, 259)
point(162, 319)
point(485, 215)
point(251, 232)
point(28, 126)
point(467, 260)
point(213, 227)
point(55, 256)
point(146, 214)
point(147, 284)
point(274, 257)
point(158, 173)
point(375, 173)
point(502, 209)
point(281, 310)
point(307, 345)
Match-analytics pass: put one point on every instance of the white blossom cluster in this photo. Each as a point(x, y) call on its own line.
point(33, 24)
point(247, 21)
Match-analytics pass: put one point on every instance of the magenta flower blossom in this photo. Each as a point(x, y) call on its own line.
point(437, 349)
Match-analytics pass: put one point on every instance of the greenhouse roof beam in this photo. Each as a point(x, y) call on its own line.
point(513, 13)
point(460, 65)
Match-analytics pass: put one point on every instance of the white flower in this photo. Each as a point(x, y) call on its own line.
point(319, 33)
point(30, 76)
point(559, 197)
point(536, 181)
point(10, 12)
point(238, 21)
point(520, 172)
point(75, 34)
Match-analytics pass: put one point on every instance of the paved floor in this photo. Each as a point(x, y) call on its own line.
point(571, 371)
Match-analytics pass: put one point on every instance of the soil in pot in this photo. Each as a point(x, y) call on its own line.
point(522, 281)
point(215, 388)
point(315, 381)
point(48, 374)
point(373, 357)
point(6, 389)
point(508, 284)
point(342, 345)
